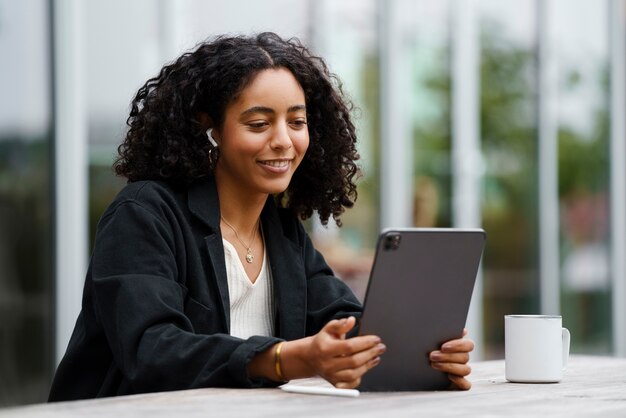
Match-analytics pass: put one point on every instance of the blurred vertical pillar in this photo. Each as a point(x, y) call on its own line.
point(549, 269)
point(315, 25)
point(617, 20)
point(317, 40)
point(396, 148)
point(467, 163)
point(70, 162)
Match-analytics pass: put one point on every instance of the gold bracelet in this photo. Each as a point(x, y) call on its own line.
point(277, 367)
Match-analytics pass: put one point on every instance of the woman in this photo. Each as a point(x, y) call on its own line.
point(202, 274)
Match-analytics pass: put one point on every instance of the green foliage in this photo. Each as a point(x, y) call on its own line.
point(584, 160)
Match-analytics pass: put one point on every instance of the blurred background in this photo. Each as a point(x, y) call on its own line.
point(501, 114)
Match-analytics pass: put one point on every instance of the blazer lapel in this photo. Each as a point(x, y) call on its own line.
point(203, 202)
point(288, 274)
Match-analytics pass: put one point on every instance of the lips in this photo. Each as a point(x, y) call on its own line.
point(277, 166)
point(276, 163)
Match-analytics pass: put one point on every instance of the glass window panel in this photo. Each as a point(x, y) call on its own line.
point(429, 51)
point(583, 135)
point(114, 69)
point(345, 35)
point(26, 278)
point(509, 144)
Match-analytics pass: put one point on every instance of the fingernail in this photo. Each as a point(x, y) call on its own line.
point(376, 340)
point(435, 356)
point(447, 346)
point(341, 385)
point(381, 347)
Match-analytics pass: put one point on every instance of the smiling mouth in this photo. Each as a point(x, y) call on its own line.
point(276, 163)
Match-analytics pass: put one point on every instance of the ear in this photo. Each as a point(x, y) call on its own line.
point(207, 124)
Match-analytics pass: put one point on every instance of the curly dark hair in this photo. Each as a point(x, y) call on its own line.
point(165, 140)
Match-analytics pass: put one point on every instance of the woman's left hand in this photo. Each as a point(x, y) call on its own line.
point(453, 358)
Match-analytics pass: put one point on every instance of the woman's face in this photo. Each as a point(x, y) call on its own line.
point(264, 136)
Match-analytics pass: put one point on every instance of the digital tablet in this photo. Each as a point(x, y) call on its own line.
point(417, 298)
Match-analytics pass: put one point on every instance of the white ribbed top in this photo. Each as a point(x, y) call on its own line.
point(251, 304)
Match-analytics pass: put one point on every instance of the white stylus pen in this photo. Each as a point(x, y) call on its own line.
point(319, 390)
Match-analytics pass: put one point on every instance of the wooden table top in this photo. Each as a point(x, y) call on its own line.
point(592, 386)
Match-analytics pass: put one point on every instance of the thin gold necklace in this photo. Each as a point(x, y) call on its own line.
point(249, 255)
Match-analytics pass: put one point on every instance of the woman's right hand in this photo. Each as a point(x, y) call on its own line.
point(330, 355)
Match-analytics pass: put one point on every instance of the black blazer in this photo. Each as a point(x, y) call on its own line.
point(155, 310)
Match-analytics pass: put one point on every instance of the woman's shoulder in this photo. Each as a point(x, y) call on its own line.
point(148, 192)
point(152, 195)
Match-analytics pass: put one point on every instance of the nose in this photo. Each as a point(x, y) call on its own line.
point(281, 138)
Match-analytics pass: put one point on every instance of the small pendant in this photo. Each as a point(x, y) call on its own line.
point(249, 256)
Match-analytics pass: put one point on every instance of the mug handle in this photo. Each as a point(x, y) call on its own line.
point(565, 335)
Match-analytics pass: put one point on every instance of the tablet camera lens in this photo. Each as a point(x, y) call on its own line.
point(392, 242)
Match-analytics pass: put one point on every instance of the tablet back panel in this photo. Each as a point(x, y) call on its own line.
point(417, 298)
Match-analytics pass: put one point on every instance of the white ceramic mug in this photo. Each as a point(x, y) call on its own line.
point(536, 348)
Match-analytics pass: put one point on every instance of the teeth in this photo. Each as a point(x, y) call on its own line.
point(274, 163)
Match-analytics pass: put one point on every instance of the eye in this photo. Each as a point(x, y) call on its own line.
point(298, 123)
point(257, 125)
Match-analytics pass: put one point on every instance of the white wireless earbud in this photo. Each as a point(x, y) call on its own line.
point(210, 135)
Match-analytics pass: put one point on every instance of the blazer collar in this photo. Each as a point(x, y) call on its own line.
point(203, 202)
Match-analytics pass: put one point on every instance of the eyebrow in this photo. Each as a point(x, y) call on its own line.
point(268, 110)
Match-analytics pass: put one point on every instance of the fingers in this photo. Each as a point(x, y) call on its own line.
point(361, 358)
point(345, 348)
point(348, 385)
point(339, 327)
point(343, 361)
point(453, 359)
point(351, 359)
point(452, 362)
point(332, 340)
point(351, 378)
point(461, 345)
point(452, 368)
point(438, 356)
point(459, 382)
